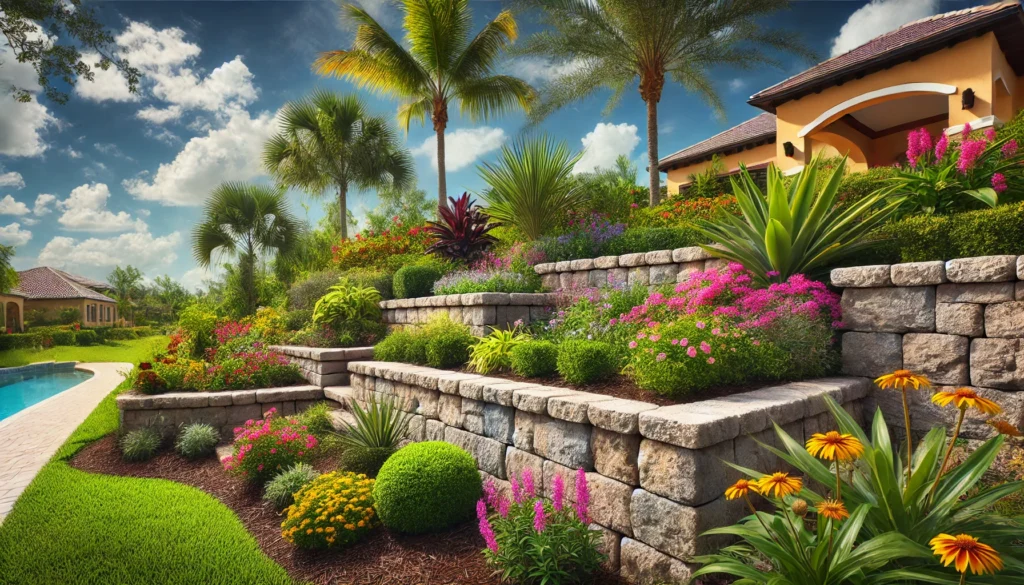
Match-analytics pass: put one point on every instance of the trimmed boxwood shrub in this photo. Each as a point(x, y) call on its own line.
point(87, 337)
point(305, 293)
point(535, 359)
point(427, 487)
point(365, 460)
point(649, 239)
point(582, 362)
point(402, 345)
point(415, 281)
point(448, 347)
point(63, 337)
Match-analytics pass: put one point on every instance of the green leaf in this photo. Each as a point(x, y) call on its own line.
point(777, 245)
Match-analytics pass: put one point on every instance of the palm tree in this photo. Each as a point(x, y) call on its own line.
point(441, 66)
point(328, 140)
point(612, 44)
point(246, 221)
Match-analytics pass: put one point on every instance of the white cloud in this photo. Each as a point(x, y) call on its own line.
point(228, 87)
point(604, 144)
point(12, 179)
point(159, 115)
point(109, 85)
point(13, 235)
point(71, 152)
point(8, 206)
point(737, 84)
point(163, 135)
point(149, 48)
point(879, 17)
point(196, 278)
point(539, 70)
point(231, 153)
point(86, 210)
point(140, 249)
point(22, 125)
point(462, 147)
point(44, 204)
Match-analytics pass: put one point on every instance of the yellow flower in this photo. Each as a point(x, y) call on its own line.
point(903, 379)
point(782, 483)
point(835, 445)
point(966, 398)
point(832, 509)
point(967, 553)
point(740, 489)
point(1005, 428)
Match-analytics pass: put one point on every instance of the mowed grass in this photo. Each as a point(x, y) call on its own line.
point(75, 527)
point(130, 351)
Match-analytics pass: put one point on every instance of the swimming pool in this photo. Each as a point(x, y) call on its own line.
point(20, 392)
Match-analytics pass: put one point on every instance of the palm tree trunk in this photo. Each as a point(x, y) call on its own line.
point(343, 210)
point(442, 187)
point(652, 151)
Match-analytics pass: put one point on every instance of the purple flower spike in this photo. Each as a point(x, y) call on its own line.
point(538, 516)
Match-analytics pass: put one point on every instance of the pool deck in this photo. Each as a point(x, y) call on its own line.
point(30, 438)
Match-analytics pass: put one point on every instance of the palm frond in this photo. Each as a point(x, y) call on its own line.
point(482, 98)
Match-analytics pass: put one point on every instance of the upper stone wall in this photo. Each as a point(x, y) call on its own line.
point(480, 311)
point(645, 268)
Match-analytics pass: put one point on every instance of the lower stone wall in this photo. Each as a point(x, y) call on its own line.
point(656, 473)
point(481, 311)
point(224, 410)
point(324, 366)
point(642, 268)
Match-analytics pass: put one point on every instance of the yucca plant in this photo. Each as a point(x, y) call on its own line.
point(462, 232)
point(494, 352)
point(380, 425)
point(795, 229)
point(531, 185)
point(346, 301)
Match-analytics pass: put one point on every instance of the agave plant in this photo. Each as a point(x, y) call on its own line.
point(462, 233)
point(794, 230)
point(381, 425)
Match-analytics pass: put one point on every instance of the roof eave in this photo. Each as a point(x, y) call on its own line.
point(668, 164)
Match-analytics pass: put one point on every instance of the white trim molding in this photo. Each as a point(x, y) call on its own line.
point(872, 95)
point(983, 122)
point(792, 171)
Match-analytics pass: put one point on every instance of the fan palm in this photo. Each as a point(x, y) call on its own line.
point(246, 221)
point(330, 141)
point(441, 66)
point(612, 43)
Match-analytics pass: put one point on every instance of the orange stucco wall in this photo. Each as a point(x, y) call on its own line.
point(53, 307)
point(760, 154)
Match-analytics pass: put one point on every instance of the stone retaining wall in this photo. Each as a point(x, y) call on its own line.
point(324, 366)
point(481, 311)
point(646, 268)
point(959, 322)
point(224, 410)
point(656, 473)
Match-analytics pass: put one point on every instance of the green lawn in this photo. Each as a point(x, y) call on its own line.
point(130, 351)
point(76, 527)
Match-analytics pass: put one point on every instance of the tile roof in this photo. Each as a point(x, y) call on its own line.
point(903, 44)
point(49, 283)
point(757, 129)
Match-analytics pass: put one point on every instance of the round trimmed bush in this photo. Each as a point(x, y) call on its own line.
point(427, 487)
point(415, 281)
point(582, 362)
point(140, 444)
point(280, 491)
point(449, 348)
point(402, 345)
point(197, 440)
point(365, 460)
point(534, 359)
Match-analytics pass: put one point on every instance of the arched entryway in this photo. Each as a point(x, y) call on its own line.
point(12, 316)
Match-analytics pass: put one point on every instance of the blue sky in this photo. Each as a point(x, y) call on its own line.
point(112, 178)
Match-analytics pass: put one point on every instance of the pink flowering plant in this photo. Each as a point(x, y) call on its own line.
point(947, 175)
point(262, 448)
point(533, 540)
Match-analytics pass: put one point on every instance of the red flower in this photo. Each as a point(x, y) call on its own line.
point(145, 366)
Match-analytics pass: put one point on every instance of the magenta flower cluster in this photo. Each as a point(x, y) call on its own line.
point(264, 447)
point(230, 330)
point(919, 143)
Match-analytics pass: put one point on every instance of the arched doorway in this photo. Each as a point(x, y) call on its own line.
point(13, 317)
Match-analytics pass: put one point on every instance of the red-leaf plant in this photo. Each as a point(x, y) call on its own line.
point(462, 232)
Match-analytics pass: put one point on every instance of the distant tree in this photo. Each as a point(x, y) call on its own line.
point(8, 276)
point(172, 295)
point(441, 66)
point(329, 141)
point(48, 34)
point(409, 206)
point(246, 221)
point(127, 283)
point(614, 44)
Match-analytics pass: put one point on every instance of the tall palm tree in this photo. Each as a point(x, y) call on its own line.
point(441, 66)
point(330, 141)
point(612, 44)
point(246, 221)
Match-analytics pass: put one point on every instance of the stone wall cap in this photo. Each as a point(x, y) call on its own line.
point(582, 264)
point(605, 262)
point(862, 276)
point(573, 407)
point(628, 260)
point(535, 399)
point(563, 266)
point(982, 269)
point(488, 298)
point(690, 254)
point(918, 273)
point(658, 257)
point(618, 414)
point(544, 268)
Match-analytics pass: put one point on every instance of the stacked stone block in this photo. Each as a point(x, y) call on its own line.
point(960, 322)
point(655, 473)
point(645, 268)
point(482, 312)
point(324, 366)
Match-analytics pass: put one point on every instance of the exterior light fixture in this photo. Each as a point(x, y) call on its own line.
point(967, 99)
point(789, 149)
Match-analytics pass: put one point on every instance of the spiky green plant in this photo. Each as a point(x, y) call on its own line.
point(494, 352)
point(380, 425)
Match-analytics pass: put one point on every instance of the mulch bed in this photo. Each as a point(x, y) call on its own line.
point(383, 558)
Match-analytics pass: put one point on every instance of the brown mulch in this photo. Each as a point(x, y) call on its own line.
point(383, 558)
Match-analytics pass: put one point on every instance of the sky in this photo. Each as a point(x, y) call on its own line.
point(114, 178)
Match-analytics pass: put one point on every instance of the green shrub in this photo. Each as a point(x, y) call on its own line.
point(120, 333)
point(494, 351)
point(86, 337)
point(415, 281)
point(69, 315)
point(582, 362)
point(63, 337)
point(140, 444)
point(447, 344)
point(298, 319)
point(402, 345)
point(649, 239)
point(197, 440)
point(280, 490)
point(856, 186)
point(347, 302)
point(317, 419)
point(988, 232)
point(534, 359)
point(365, 460)
point(305, 293)
point(379, 279)
point(427, 487)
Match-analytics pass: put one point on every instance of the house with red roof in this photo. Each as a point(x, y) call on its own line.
point(50, 291)
point(939, 73)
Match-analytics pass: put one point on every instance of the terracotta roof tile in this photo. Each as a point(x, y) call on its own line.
point(761, 127)
point(49, 283)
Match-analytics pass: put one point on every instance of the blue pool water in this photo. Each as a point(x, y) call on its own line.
point(20, 394)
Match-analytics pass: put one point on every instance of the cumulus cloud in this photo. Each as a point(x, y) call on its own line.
point(44, 204)
point(9, 206)
point(22, 125)
point(140, 249)
point(12, 235)
point(462, 147)
point(159, 115)
point(85, 209)
point(879, 17)
point(71, 152)
point(231, 153)
point(106, 86)
point(228, 87)
point(604, 144)
point(196, 278)
point(539, 70)
point(737, 84)
point(12, 179)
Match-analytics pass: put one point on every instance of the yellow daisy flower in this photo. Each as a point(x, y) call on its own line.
point(740, 489)
point(835, 445)
point(903, 379)
point(967, 553)
point(832, 509)
point(966, 398)
point(782, 483)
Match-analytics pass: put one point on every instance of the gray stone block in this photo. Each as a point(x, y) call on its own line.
point(516, 461)
point(606, 262)
point(499, 422)
point(690, 254)
point(616, 454)
point(631, 260)
point(608, 545)
point(889, 310)
point(618, 276)
point(582, 264)
point(619, 415)
point(1004, 319)
point(918, 273)
point(688, 476)
point(433, 430)
point(598, 278)
point(488, 453)
point(610, 503)
point(992, 292)
point(997, 363)
point(544, 268)
point(871, 354)
point(663, 273)
point(449, 410)
point(639, 276)
point(563, 442)
point(643, 565)
point(658, 257)
point(862, 276)
point(535, 398)
point(982, 269)
point(673, 528)
point(525, 426)
point(573, 407)
point(960, 319)
point(943, 358)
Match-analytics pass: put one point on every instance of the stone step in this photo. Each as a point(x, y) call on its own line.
point(339, 417)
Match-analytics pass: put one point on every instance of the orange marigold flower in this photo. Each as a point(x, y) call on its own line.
point(903, 379)
point(967, 553)
point(832, 509)
point(782, 483)
point(835, 445)
point(740, 489)
point(966, 398)
point(1005, 428)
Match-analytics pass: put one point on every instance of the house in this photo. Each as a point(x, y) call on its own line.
point(50, 290)
point(939, 73)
